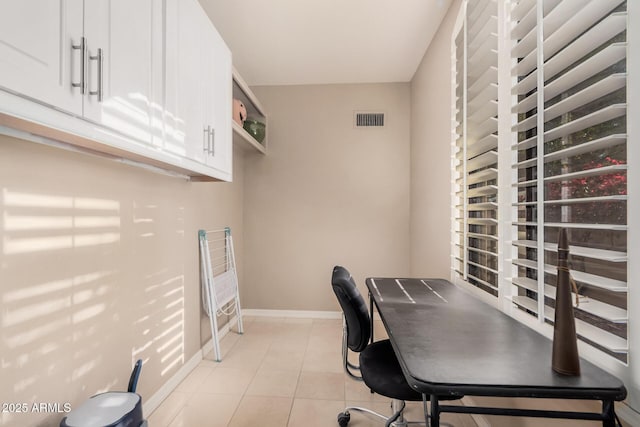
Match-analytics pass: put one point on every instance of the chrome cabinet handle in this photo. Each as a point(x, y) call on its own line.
point(83, 52)
point(210, 141)
point(213, 142)
point(207, 138)
point(99, 57)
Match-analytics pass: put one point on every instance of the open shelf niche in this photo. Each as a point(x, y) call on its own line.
point(255, 110)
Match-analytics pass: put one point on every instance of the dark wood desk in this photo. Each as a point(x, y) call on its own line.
point(451, 343)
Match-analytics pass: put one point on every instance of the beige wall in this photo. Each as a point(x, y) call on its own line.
point(99, 267)
point(326, 194)
point(431, 155)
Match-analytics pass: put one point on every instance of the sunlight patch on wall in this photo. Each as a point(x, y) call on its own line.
point(33, 291)
point(56, 228)
point(54, 323)
point(34, 334)
point(29, 222)
point(88, 313)
point(19, 199)
point(35, 311)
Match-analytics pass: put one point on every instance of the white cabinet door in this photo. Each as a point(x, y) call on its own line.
point(192, 61)
point(120, 76)
point(219, 101)
point(198, 88)
point(207, 87)
point(184, 130)
point(36, 54)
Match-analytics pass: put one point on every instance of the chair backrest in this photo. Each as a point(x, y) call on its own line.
point(354, 308)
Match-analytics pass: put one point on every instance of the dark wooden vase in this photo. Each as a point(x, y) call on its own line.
point(565, 359)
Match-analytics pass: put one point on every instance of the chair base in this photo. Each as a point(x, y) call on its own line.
point(397, 407)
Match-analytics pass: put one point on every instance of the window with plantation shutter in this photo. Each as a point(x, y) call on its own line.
point(475, 257)
point(539, 143)
point(569, 136)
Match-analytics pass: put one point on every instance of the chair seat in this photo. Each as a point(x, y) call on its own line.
point(382, 373)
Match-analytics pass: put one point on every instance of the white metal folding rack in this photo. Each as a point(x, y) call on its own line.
point(219, 280)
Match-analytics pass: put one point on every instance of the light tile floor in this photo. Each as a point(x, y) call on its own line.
point(279, 373)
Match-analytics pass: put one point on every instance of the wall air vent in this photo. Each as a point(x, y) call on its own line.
point(368, 119)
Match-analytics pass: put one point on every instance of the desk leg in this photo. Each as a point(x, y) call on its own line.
point(435, 411)
point(608, 412)
point(371, 315)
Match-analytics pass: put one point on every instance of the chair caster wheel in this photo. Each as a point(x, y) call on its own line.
point(343, 419)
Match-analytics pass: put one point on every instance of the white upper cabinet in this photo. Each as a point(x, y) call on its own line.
point(121, 84)
point(41, 47)
point(148, 80)
point(93, 59)
point(198, 88)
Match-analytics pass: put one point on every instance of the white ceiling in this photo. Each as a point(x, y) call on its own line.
point(285, 42)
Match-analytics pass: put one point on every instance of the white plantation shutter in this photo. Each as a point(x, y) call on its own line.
point(459, 178)
point(475, 257)
point(570, 139)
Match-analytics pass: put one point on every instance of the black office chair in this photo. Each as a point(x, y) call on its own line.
point(379, 368)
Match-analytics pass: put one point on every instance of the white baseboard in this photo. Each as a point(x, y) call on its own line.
point(480, 420)
point(306, 314)
point(628, 414)
point(165, 390)
point(208, 346)
point(151, 404)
